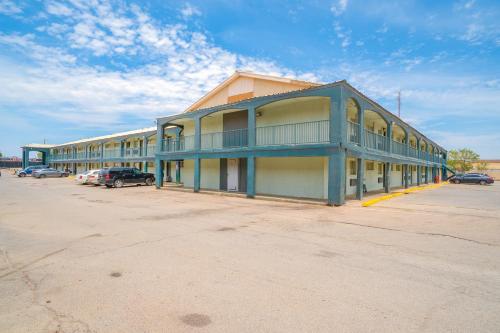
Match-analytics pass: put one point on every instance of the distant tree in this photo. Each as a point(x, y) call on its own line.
point(1, 155)
point(461, 160)
point(482, 167)
point(39, 155)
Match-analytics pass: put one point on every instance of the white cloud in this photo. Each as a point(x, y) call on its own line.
point(343, 35)
point(57, 8)
point(9, 7)
point(189, 10)
point(177, 66)
point(339, 7)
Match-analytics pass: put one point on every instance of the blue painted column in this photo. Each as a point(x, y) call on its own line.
point(337, 117)
point(387, 177)
point(406, 173)
point(419, 174)
point(336, 178)
point(177, 172)
point(145, 153)
point(145, 146)
point(25, 160)
point(158, 173)
point(426, 175)
point(197, 147)
point(197, 174)
point(122, 149)
point(360, 163)
point(361, 121)
point(251, 177)
point(444, 173)
point(102, 155)
point(251, 159)
point(389, 136)
point(160, 132)
point(336, 160)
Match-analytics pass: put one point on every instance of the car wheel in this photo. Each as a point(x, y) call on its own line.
point(457, 181)
point(482, 182)
point(118, 183)
point(42, 176)
point(149, 181)
point(22, 175)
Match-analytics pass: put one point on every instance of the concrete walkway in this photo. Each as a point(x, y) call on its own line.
point(90, 259)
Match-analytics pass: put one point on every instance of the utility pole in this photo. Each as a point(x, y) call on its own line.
point(399, 103)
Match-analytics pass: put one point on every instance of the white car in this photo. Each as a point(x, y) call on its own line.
point(88, 177)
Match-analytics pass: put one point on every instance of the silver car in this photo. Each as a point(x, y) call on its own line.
point(49, 172)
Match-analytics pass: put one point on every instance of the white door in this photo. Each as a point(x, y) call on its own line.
point(232, 174)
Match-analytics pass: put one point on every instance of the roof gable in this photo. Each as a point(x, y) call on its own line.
point(244, 85)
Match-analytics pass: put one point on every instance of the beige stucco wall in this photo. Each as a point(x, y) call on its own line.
point(295, 110)
point(210, 174)
point(266, 87)
point(396, 176)
point(187, 173)
point(291, 176)
point(371, 178)
point(244, 85)
point(188, 128)
point(217, 99)
point(212, 123)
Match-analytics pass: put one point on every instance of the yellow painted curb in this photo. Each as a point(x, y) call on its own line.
point(371, 202)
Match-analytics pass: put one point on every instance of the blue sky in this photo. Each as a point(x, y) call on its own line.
point(79, 68)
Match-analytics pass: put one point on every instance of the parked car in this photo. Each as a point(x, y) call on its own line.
point(119, 177)
point(49, 172)
point(472, 178)
point(29, 170)
point(88, 177)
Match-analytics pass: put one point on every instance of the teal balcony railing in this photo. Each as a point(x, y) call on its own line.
point(132, 152)
point(151, 150)
point(398, 148)
point(353, 132)
point(94, 155)
point(413, 152)
point(294, 134)
point(424, 155)
point(80, 155)
point(375, 141)
point(183, 143)
point(112, 153)
point(228, 139)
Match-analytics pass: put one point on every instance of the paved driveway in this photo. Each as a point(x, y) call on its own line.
point(89, 259)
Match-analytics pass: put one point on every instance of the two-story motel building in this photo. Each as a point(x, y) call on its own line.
point(264, 135)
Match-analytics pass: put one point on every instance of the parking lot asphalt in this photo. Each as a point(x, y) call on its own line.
point(89, 259)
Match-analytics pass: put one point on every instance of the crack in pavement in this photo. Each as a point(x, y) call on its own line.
point(438, 212)
point(410, 232)
point(20, 268)
point(61, 319)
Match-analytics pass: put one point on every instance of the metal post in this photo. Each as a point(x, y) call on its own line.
point(387, 178)
point(406, 180)
point(250, 177)
point(336, 178)
point(177, 172)
point(251, 127)
point(360, 178)
point(196, 175)
point(158, 173)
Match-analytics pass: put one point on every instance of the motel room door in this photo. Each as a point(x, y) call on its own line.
point(232, 174)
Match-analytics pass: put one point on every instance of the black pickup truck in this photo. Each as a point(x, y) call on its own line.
point(119, 177)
